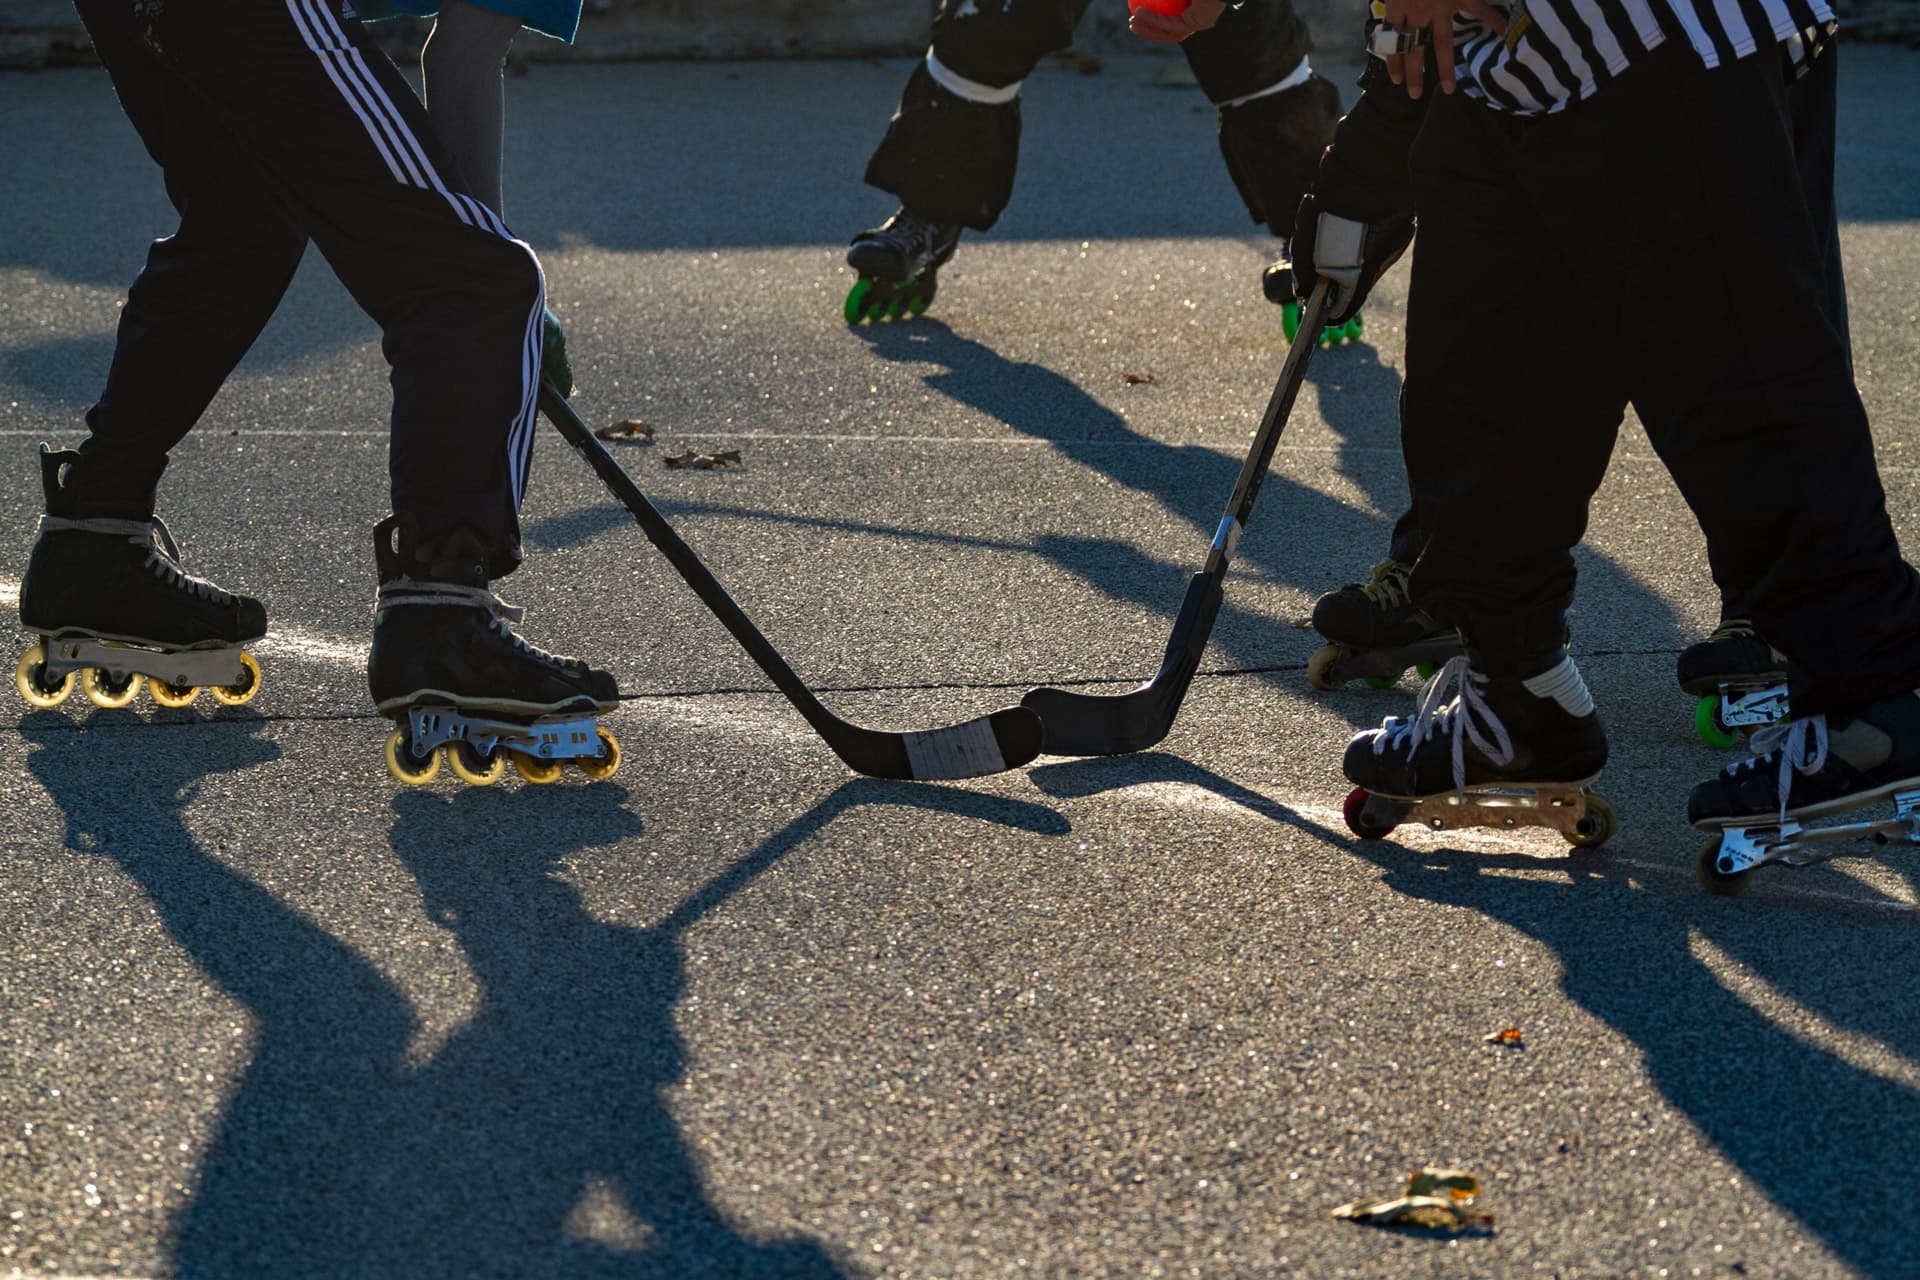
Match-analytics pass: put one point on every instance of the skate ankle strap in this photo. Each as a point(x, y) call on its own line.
point(135, 530)
point(410, 591)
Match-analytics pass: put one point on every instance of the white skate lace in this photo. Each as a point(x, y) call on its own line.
point(410, 591)
point(1787, 738)
point(163, 554)
point(1435, 714)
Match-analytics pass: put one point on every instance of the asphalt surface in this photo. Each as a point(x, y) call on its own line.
point(738, 1013)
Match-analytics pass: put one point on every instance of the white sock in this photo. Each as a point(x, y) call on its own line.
point(1564, 685)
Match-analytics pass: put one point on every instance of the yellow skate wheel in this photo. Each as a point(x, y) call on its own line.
point(535, 770)
point(30, 678)
point(1598, 826)
point(233, 695)
point(172, 695)
point(406, 767)
point(601, 767)
point(473, 768)
point(101, 691)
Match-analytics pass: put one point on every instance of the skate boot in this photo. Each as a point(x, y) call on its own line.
point(1276, 282)
point(1374, 633)
point(111, 604)
point(1760, 808)
point(899, 263)
point(1503, 752)
point(452, 674)
point(1739, 679)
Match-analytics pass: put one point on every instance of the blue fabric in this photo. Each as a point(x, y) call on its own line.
point(557, 18)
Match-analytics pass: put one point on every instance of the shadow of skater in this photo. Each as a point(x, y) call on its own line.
point(1293, 535)
point(1821, 1124)
point(536, 1140)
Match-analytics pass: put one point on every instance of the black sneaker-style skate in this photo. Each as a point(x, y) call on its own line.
point(1739, 679)
point(448, 668)
point(1374, 632)
point(111, 604)
point(899, 263)
point(1503, 752)
point(1759, 808)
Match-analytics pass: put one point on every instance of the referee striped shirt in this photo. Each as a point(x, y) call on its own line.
point(1557, 52)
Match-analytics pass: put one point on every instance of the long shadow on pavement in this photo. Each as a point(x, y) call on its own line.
point(1826, 1137)
point(536, 1141)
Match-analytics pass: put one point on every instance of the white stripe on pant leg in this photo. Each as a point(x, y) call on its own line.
point(366, 121)
point(520, 439)
point(391, 118)
point(520, 436)
point(330, 41)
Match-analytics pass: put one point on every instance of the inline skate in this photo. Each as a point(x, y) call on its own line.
point(1502, 753)
point(112, 606)
point(461, 685)
point(899, 263)
point(1762, 810)
point(1375, 633)
point(1740, 682)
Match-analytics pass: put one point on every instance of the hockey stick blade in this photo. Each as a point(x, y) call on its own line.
point(1092, 724)
point(988, 744)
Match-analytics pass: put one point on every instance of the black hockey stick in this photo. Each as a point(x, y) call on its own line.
point(1004, 740)
point(1093, 724)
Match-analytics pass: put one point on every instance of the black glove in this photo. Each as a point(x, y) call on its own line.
point(1359, 218)
point(1352, 254)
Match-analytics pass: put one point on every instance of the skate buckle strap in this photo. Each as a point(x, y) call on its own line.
point(407, 591)
point(1789, 739)
point(1437, 714)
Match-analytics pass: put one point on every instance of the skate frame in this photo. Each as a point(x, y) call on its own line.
point(1744, 706)
point(1092, 724)
point(1561, 809)
point(989, 744)
point(215, 667)
point(556, 738)
point(1744, 848)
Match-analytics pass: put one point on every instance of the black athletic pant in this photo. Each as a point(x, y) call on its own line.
point(1558, 259)
point(1813, 103)
point(952, 160)
point(276, 122)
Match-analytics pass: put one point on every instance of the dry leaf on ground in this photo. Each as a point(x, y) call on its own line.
point(1132, 379)
point(1506, 1035)
point(1435, 1200)
point(719, 460)
point(628, 429)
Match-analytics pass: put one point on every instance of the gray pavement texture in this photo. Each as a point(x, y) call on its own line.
point(736, 1013)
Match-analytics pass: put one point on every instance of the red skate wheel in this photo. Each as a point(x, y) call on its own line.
point(1354, 811)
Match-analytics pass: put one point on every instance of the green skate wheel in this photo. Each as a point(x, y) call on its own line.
point(1289, 319)
point(1706, 721)
point(1383, 682)
point(855, 309)
point(1424, 670)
